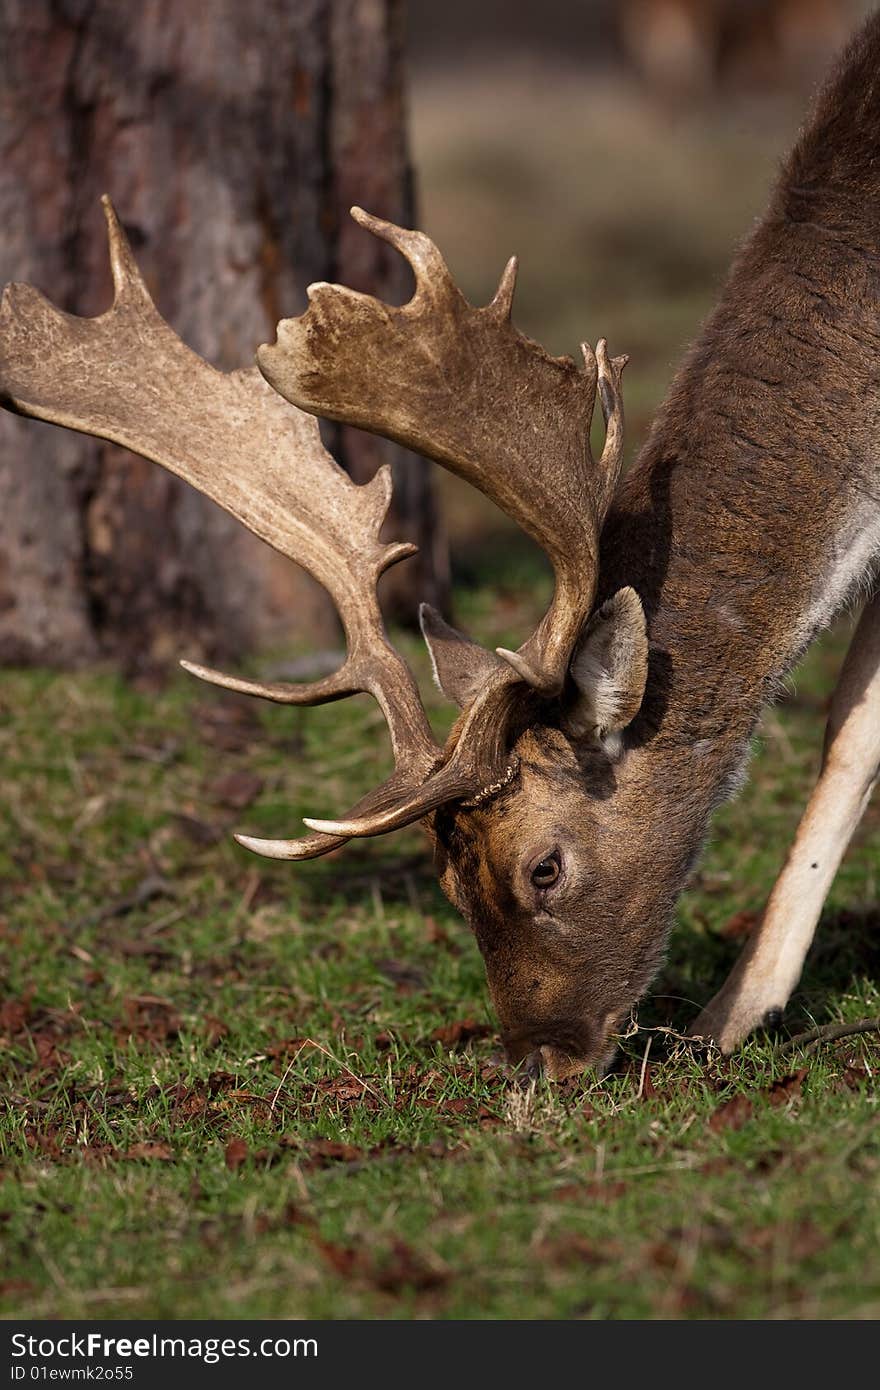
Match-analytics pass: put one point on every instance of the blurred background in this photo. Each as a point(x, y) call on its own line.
point(621, 148)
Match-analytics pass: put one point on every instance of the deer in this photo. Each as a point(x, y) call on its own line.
point(575, 791)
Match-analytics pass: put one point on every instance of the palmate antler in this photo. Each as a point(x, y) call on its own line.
point(456, 383)
point(463, 387)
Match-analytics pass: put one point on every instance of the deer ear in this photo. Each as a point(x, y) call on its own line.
point(610, 668)
point(461, 666)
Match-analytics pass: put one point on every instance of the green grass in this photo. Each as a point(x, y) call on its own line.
point(227, 1100)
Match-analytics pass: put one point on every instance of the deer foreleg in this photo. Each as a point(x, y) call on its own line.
point(770, 966)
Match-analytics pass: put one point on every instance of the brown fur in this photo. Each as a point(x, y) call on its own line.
point(758, 481)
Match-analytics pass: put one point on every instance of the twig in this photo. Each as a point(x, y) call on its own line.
point(287, 1072)
point(830, 1033)
point(247, 897)
point(643, 1072)
point(319, 1047)
point(153, 886)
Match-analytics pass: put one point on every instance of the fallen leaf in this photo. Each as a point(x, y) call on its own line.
point(197, 831)
point(662, 1255)
point(14, 1014)
point(149, 1018)
point(150, 1150)
point(591, 1191)
point(437, 935)
point(786, 1088)
point(405, 977)
point(235, 1154)
point(10, 1286)
point(323, 1152)
point(733, 1114)
point(739, 926)
point(458, 1035)
point(567, 1250)
point(853, 1077)
point(238, 789)
point(227, 724)
point(798, 1239)
point(215, 1029)
point(344, 1259)
point(457, 1105)
point(405, 1268)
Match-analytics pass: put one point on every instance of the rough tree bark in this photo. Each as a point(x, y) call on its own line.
point(232, 138)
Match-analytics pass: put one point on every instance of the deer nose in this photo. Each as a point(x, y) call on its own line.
point(543, 1059)
point(558, 1049)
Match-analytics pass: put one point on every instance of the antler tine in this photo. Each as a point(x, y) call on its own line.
point(433, 280)
point(125, 376)
point(550, 646)
point(610, 373)
point(501, 303)
point(462, 386)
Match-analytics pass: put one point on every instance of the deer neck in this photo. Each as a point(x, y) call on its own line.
point(750, 518)
point(752, 515)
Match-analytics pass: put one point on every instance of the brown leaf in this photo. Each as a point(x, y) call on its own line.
point(227, 724)
point(458, 1035)
point(733, 1114)
point(288, 1048)
point(739, 926)
point(12, 1286)
point(799, 1239)
point(45, 1141)
point(238, 789)
point(590, 1192)
point(662, 1254)
point(215, 1029)
point(567, 1250)
point(100, 1153)
point(235, 1154)
point(199, 832)
point(786, 1088)
point(437, 935)
point(405, 1268)
point(47, 1054)
point(149, 1018)
point(345, 1259)
point(714, 1166)
point(853, 1077)
point(805, 1239)
point(323, 1152)
point(14, 1014)
point(457, 1105)
point(406, 977)
point(149, 1149)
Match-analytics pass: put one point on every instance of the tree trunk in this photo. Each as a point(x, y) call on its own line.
point(231, 138)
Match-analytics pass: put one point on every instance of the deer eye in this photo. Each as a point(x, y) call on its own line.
point(545, 873)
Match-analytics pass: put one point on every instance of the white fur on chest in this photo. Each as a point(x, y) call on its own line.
point(852, 565)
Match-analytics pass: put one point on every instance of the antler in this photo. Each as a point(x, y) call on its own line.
point(125, 376)
point(456, 383)
point(464, 387)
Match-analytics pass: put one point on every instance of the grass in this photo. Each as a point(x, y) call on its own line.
point(246, 1089)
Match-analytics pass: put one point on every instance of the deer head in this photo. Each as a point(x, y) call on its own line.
point(507, 799)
